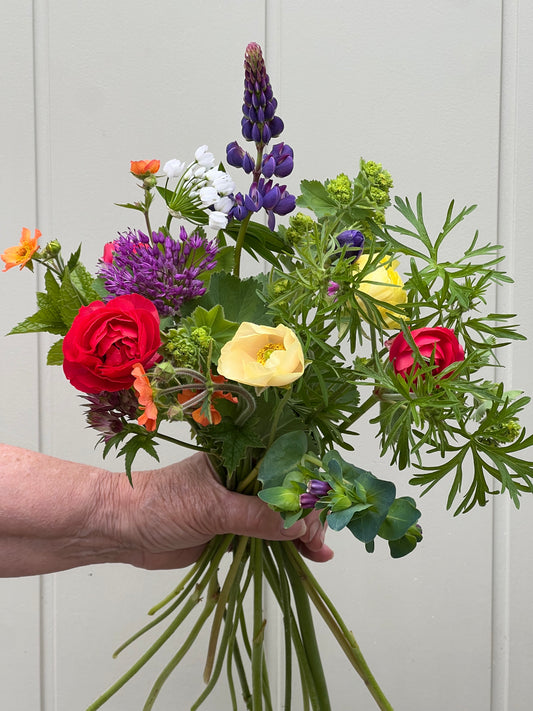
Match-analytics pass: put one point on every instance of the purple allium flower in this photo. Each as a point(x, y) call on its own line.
point(354, 240)
point(279, 162)
point(164, 270)
point(259, 122)
point(108, 412)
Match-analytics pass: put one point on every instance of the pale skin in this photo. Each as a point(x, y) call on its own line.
point(56, 515)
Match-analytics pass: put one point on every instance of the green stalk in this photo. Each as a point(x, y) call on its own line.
point(240, 243)
point(213, 561)
point(245, 688)
point(256, 561)
point(305, 618)
point(234, 652)
point(209, 555)
point(283, 595)
point(181, 443)
point(221, 604)
point(336, 624)
point(211, 598)
point(230, 630)
point(193, 600)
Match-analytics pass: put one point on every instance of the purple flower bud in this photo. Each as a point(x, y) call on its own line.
point(354, 241)
point(333, 288)
point(234, 154)
point(271, 197)
point(286, 204)
point(248, 163)
point(276, 126)
point(256, 133)
point(238, 211)
point(308, 501)
point(269, 166)
point(318, 487)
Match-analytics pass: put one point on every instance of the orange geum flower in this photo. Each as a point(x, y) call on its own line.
point(185, 395)
point(21, 254)
point(143, 168)
point(145, 396)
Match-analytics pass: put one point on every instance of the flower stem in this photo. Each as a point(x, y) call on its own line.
point(193, 600)
point(212, 595)
point(336, 624)
point(256, 556)
point(307, 630)
point(181, 443)
point(221, 605)
point(240, 243)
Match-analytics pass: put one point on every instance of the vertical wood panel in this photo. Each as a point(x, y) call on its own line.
point(19, 411)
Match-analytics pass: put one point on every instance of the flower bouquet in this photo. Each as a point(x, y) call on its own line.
point(272, 372)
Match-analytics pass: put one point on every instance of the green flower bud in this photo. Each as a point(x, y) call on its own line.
point(51, 250)
point(300, 227)
point(149, 182)
point(340, 189)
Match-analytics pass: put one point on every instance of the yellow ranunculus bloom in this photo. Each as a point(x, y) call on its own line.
point(384, 284)
point(262, 356)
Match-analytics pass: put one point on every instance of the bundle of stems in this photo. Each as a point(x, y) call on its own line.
point(236, 642)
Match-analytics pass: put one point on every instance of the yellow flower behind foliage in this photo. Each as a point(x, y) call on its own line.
point(383, 284)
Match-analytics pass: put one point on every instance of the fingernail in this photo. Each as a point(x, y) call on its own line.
point(297, 530)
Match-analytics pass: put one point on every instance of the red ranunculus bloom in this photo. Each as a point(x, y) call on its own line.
point(105, 341)
point(437, 343)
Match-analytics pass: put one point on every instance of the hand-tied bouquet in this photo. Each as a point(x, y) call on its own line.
point(268, 370)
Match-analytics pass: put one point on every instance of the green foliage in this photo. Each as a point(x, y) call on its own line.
point(356, 499)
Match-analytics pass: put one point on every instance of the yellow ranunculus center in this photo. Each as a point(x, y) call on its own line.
point(266, 351)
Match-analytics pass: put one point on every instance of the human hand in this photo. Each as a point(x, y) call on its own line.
point(170, 514)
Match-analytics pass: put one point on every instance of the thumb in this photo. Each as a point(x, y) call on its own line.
point(249, 516)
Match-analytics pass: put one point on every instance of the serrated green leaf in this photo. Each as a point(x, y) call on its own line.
point(83, 280)
point(316, 198)
point(238, 298)
point(236, 441)
point(55, 354)
point(69, 300)
point(130, 450)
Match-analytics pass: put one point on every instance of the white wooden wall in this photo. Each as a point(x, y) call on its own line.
point(440, 91)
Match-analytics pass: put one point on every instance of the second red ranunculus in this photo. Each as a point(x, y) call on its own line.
point(438, 344)
point(105, 341)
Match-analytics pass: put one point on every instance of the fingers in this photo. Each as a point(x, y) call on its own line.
point(249, 516)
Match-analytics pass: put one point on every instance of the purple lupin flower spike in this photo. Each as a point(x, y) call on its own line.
point(259, 123)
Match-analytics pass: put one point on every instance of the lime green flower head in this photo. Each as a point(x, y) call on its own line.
point(340, 189)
